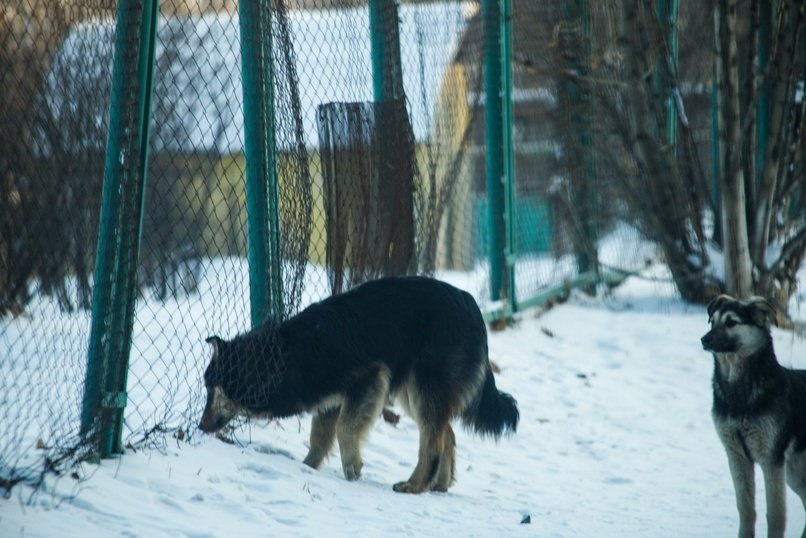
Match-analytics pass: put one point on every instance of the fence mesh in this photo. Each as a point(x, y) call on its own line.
point(50, 181)
point(366, 186)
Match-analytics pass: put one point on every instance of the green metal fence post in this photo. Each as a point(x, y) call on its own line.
point(394, 148)
point(121, 220)
point(591, 196)
point(508, 152)
point(715, 192)
point(494, 148)
point(262, 196)
point(581, 117)
point(387, 71)
point(667, 12)
point(763, 100)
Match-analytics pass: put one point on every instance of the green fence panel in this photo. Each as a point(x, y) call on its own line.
point(466, 160)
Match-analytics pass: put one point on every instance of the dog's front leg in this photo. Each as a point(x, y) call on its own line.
point(362, 405)
point(775, 488)
point(323, 435)
point(744, 485)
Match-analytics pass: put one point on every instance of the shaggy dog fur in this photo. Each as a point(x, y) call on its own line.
point(415, 340)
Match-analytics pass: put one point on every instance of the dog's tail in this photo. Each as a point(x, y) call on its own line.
point(491, 412)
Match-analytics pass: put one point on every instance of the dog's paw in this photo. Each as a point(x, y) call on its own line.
point(312, 461)
point(407, 487)
point(352, 471)
point(440, 488)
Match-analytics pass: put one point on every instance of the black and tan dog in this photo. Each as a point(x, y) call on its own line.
point(416, 340)
point(759, 409)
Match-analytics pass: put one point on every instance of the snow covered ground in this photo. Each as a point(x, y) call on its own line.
point(615, 439)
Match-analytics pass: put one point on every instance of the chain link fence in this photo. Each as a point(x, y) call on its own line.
point(379, 167)
point(50, 182)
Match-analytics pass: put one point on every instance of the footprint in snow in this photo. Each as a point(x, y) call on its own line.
point(271, 450)
point(617, 481)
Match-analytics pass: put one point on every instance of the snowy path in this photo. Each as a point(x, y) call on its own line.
point(615, 440)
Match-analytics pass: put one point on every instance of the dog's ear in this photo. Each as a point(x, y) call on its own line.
point(716, 303)
point(762, 311)
point(215, 342)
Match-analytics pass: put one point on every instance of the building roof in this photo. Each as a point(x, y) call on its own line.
point(197, 104)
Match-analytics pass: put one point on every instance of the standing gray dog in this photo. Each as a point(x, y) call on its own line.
point(759, 409)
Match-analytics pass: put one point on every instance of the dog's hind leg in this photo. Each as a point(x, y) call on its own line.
point(363, 403)
point(429, 399)
point(323, 434)
point(434, 468)
point(446, 472)
point(796, 477)
point(775, 488)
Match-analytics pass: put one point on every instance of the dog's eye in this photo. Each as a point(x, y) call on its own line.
point(730, 323)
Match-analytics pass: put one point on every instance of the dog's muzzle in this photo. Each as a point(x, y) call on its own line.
point(718, 341)
point(706, 341)
point(209, 424)
point(218, 411)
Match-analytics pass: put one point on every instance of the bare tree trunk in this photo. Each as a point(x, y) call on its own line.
point(664, 191)
point(738, 266)
point(763, 235)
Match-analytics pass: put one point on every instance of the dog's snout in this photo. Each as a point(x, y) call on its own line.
point(208, 426)
point(706, 341)
point(718, 341)
point(210, 423)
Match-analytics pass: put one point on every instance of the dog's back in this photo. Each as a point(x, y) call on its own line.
point(430, 335)
point(394, 320)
